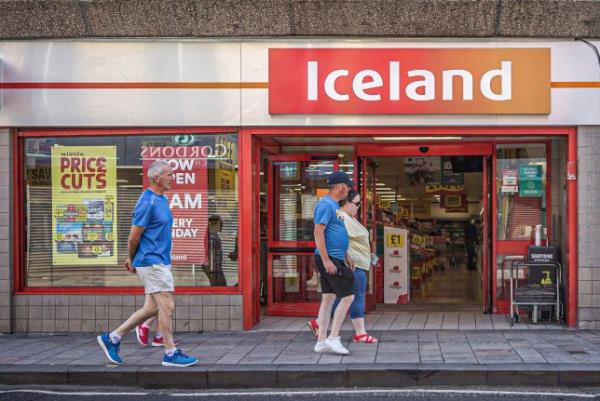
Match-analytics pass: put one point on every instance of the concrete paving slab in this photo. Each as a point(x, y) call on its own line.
point(430, 350)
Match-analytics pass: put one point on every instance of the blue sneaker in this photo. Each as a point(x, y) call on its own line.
point(179, 359)
point(110, 350)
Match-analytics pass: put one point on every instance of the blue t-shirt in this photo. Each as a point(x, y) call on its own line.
point(327, 212)
point(153, 213)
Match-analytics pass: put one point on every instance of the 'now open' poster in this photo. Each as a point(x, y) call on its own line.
point(187, 199)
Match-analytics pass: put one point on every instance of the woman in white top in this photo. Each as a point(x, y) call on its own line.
point(360, 252)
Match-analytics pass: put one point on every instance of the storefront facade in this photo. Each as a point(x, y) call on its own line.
point(82, 119)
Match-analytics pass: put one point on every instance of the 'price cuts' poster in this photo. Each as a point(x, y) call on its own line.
point(84, 193)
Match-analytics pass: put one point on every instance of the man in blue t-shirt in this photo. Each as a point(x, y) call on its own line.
point(149, 254)
point(333, 263)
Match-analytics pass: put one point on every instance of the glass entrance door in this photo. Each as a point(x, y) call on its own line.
point(368, 190)
point(413, 208)
point(522, 208)
point(295, 184)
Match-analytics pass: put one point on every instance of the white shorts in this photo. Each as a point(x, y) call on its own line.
point(156, 278)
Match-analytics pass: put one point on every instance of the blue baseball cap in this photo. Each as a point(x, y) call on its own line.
point(339, 177)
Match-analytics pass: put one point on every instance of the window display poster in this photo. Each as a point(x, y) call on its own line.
point(309, 202)
point(396, 266)
point(530, 181)
point(449, 177)
point(187, 199)
point(422, 170)
point(40, 149)
point(84, 209)
point(225, 186)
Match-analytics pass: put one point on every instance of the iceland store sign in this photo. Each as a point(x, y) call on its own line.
point(409, 81)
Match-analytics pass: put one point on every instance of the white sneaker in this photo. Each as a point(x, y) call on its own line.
point(321, 347)
point(335, 345)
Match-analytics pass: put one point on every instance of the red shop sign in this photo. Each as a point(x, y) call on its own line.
point(187, 199)
point(409, 81)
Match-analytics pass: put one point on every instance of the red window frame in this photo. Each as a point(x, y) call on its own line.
point(286, 308)
point(19, 137)
point(514, 247)
point(516, 132)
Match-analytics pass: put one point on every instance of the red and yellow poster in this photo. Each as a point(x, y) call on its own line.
point(84, 193)
point(187, 199)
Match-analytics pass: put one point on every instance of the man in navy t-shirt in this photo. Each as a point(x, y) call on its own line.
point(337, 278)
point(149, 254)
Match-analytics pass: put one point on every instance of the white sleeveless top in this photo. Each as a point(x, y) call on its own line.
point(359, 248)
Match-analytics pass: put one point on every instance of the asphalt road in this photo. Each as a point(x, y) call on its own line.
point(408, 394)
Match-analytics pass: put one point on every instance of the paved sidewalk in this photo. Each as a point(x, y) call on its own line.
point(415, 321)
point(272, 359)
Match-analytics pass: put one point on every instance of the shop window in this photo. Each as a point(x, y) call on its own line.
point(299, 182)
point(295, 279)
point(521, 190)
point(80, 192)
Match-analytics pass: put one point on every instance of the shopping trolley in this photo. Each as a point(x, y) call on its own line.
point(535, 286)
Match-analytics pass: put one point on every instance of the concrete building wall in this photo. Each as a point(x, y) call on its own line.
point(588, 193)
point(5, 232)
point(34, 19)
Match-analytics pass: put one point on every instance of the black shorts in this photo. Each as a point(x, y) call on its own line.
point(340, 284)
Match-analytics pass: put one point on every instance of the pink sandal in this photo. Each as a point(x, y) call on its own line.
point(364, 338)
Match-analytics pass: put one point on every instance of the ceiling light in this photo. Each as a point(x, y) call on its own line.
point(417, 138)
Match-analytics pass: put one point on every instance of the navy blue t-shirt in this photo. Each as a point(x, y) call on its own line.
point(327, 212)
point(153, 213)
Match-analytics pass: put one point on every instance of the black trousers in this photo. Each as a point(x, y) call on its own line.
point(471, 258)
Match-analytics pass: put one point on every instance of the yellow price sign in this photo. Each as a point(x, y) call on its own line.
point(453, 200)
point(60, 237)
point(92, 236)
point(96, 249)
point(109, 237)
point(395, 240)
point(546, 280)
point(59, 212)
point(417, 239)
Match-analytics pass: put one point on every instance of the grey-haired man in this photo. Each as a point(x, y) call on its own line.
point(149, 254)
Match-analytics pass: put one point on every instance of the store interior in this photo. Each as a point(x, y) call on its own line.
point(434, 199)
point(439, 202)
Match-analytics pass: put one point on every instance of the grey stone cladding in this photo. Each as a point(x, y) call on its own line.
point(588, 209)
point(5, 232)
point(98, 313)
